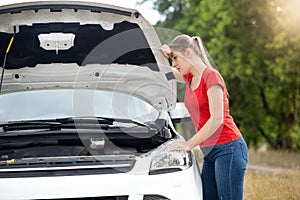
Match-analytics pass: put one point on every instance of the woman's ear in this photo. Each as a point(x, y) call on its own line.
point(189, 52)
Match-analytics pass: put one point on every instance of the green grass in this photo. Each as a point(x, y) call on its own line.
point(278, 179)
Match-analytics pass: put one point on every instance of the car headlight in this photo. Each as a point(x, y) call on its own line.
point(165, 160)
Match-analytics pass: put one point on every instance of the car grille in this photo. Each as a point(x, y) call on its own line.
point(154, 197)
point(64, 167)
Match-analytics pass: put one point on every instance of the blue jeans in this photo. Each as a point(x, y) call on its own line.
point(224, 169)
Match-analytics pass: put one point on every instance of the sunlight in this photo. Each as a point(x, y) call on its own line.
point(279, 8)
point(292, 15)
point(288, 14)
point(293, 7)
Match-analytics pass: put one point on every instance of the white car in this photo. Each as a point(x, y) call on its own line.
point(85, 107)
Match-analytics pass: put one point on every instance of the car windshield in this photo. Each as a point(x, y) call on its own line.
point(51, 104)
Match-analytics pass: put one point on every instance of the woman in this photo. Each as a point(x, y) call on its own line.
point(206, 98)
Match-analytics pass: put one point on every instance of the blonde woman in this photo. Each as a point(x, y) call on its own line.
point(206, 98)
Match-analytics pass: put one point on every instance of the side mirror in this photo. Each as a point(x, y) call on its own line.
point(180, 113)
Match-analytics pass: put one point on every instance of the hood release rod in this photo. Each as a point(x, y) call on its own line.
point(4, 61)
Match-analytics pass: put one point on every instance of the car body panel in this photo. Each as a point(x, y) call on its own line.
point(133, 185)
point(29, 59)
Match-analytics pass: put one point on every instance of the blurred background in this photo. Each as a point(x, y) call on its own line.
point(255, 45)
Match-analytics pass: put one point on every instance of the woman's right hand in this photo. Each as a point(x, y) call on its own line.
point(166, 51)
point(179, 146)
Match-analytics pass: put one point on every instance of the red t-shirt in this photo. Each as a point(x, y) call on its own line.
point(196, 102)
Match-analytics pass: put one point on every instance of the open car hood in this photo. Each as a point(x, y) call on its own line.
point(83, 45)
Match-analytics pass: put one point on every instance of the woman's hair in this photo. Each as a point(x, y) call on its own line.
point(181, 42)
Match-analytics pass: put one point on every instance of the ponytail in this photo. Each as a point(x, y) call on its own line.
point(202, 51)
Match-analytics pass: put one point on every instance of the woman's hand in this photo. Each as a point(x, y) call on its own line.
point(166, 51)
point(179, 145)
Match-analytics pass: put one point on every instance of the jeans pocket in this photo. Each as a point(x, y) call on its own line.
point(244, 150)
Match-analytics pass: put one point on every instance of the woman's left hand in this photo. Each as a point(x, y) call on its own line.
point(166, 51)
point(179, 145)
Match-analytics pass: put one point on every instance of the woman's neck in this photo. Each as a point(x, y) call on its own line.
point(197, 67)
point(196, 70)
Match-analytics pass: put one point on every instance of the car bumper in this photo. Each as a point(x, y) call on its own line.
point(175, 186)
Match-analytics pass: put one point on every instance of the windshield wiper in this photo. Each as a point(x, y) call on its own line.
point(137, 123)
point(27, 125)
point(70, 123)
point(104, 120)
point(57, 124)
point(86, 120)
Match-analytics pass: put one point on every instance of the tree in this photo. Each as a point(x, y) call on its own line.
point(255, 45)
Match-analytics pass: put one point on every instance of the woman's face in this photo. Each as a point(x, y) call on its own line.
point(180, 62)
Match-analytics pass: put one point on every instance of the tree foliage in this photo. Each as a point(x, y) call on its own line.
point(256, 46)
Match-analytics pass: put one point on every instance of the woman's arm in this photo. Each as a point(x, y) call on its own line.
point(216, 120)
point(166, 51)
